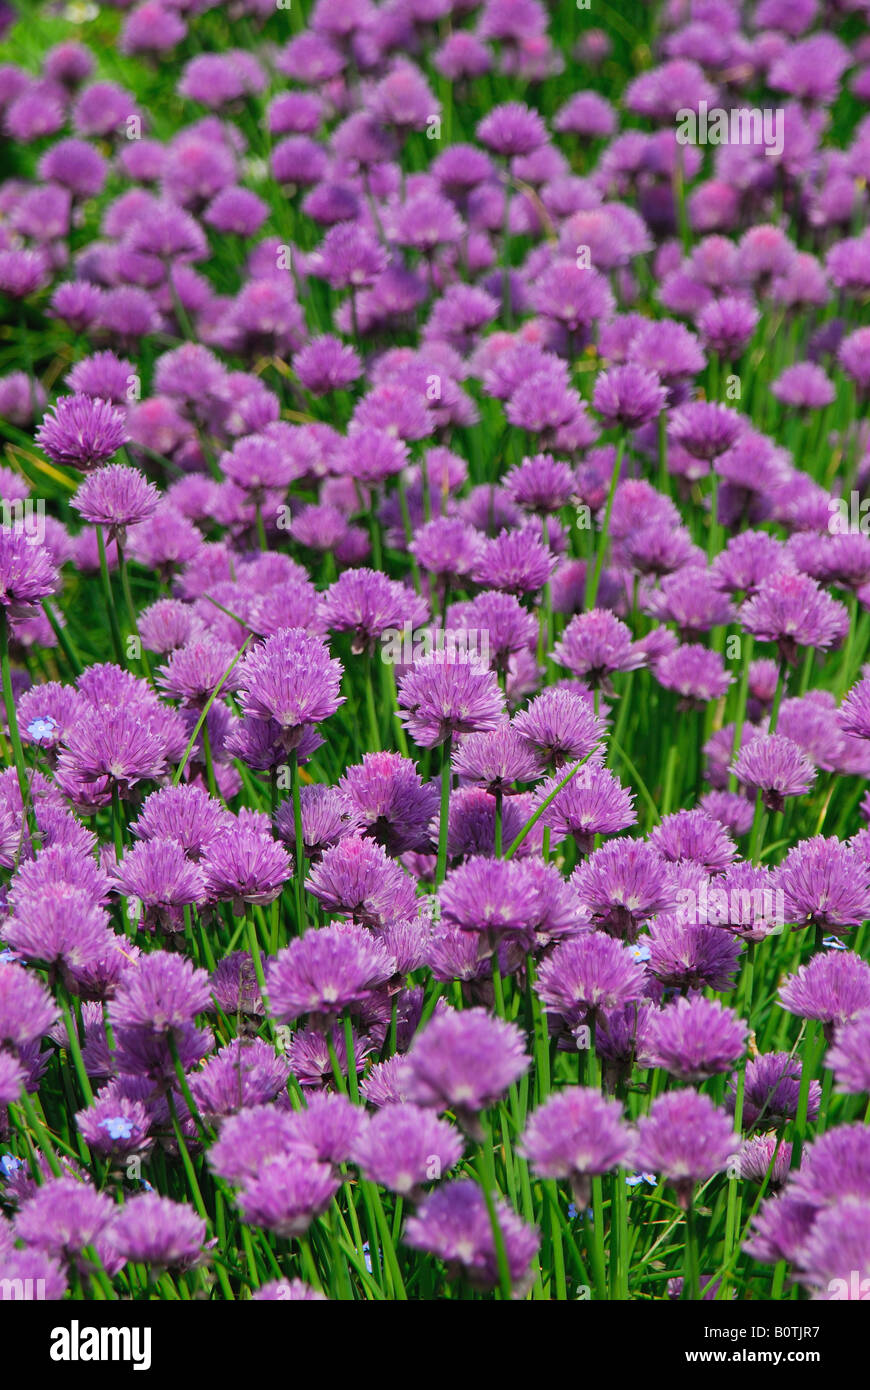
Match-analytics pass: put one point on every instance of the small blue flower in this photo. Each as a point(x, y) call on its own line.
point(572, 1210)
point(9, 1164)
point(41, 728)
point(639, 952)
point(118, 1126)
point(834, 943)
point(635, 1179)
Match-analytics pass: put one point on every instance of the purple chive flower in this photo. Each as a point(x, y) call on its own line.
point(511, 129)
point(693, 1038)
point(161, 994)
point(63, 929)
point(854, 716)
point(291, 679)
point(22, 273)
point(159, 874)
point(834, 987)
point(326, 972)
point(287, 1193)
point(744, 900)
point(804, 386)
point(577, 1134)
point(251, 1136)
point(194, 671)
point(118, 746)
point(310, 1059)
point(116, 497)
point(288, 1290)
point(685, 1139)
point(826, 884)
point(464, 1062)
point(393, 804)
point(471, 823)
point(153, 1230)
point(356, 877)
point(27, 1010)
point(596, 644)
point(726, 325)
point(496, 760)
point(326, 364)
point(541, 484)
point(772, 1090)
point(686, 955)
point(404, 1146)
point(705, 429)
point(594, 802)
point(103, 374)
point(236, 210)
point(791, 610)
point(76, 165)
point(854, 357)
point(185, 814)
point(587, 974)
point(234, 985)
point(492, 897)
point(327, 817)
point(446, 548)
point(367, 603)
point(454, 1224)
point(152, 29)
point(775, 766)
point(628, 395)
point(442, 696)
point(115, 1123)
point(696, 673)
point(63, 1217)
point(27, 573)
point(849, 1058)
point(245, 863)
point(511, 628)
point(836, 1256)
point(623, 884)
point(835, 1168)
point(696, 837)
point(82, 432)
point(691, 599)
point(328, 1127)
point(573, 297)
point(747, 560)
point(781, 1228)
point(561, 727)
point(256, 464)
point(244, 1073)
point(756, 1157)
point(349, 257)
point(514, 562)
point(12, 1078)
point(58, 865)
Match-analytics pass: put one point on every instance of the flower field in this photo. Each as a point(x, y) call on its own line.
point(434, 607)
